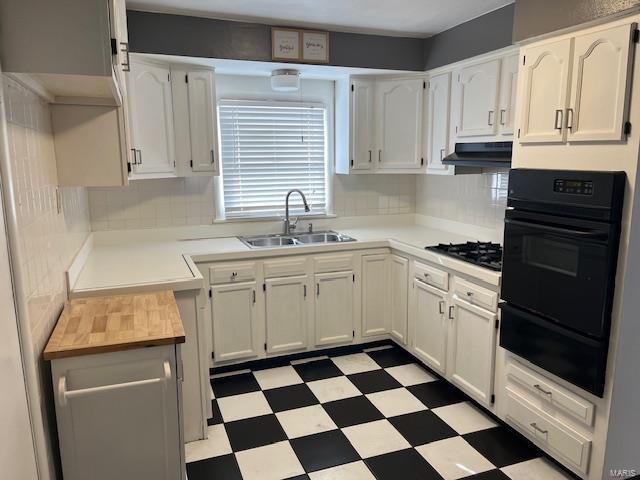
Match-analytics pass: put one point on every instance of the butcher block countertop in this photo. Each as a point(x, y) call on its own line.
point(112, 323)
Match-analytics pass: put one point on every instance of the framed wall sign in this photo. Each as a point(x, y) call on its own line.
point(315, 47)
point(285, 44)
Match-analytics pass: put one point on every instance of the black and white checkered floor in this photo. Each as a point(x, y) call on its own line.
point(374, 414)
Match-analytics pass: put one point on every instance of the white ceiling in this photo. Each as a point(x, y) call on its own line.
point(416, 18)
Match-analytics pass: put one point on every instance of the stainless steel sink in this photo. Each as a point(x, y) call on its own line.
point(278, 240)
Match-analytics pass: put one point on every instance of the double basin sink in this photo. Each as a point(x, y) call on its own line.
point(279, 240)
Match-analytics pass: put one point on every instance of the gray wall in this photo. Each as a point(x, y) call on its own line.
point(537, 17)
point(480, 35)
point(204, 37)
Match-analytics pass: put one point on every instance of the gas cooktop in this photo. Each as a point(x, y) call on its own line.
point(483, 254)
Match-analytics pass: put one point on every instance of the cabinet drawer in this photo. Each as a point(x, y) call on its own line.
point(285, 267)
point(557, 438)
point(232, 272)
point(333, 263)
point(475, 295)
point(431, 276)
point(548, 393)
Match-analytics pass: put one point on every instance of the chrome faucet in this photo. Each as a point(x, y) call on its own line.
point(288, 228)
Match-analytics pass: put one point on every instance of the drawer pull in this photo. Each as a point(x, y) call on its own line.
point(536, 427)
point(469, 294)
point(234, 275)
point(540, 389)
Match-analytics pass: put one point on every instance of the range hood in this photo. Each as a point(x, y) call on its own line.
point(484, 154)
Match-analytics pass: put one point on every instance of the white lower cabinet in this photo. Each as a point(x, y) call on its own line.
point(119, 415)
point(235, 319)
point(429, 325)
point(286, 306)
point(399, 286)
point(334, 316)
point(473, 344)
point(375, 294)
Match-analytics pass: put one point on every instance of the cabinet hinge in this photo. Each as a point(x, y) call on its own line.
point(210, 293)
point(422, 161)
point(352, 87)
point(265, 347)
point(351, 162)
point(497, 324)
point(264, 287)
point(636, 36)
point(114, 46)
point(169, 76)
point(627, 127)
point(353, 334)
point(458, 78)
point(186, 78)
point(524, 60)
point(354, 278)
point(129, 167)
point(518, 133)
point(493, 398)
point(424, 85)
point(456, 129)
point(191, 163)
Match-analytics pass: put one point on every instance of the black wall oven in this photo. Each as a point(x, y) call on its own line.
point(562, 230)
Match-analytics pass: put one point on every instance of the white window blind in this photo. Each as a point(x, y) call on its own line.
point(268, 148)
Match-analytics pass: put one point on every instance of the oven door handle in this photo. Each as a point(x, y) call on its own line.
point(587, 234)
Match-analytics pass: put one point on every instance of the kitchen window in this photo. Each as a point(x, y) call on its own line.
point(268, 148)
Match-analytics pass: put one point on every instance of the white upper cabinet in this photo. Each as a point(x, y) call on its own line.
point(399, 124)
point(151, 119)
point(286, 313)
point(508, 89)
point(599, 95)
point(476, 100)
point(437, 128)
point(202, 121)
point(362, 124)
point(375, 294)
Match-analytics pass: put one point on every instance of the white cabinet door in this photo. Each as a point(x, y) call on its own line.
point(233, 307)
point(362, 124)
point(399, 124)
point(430, 328)
point(600, 85)
point(508, 89)
point(544, 82)
point(399, 283)
point(334, 308)
point(202, 121)
point(375, 294)
point(476, 99)
point(151, 118)
point(473, 344)
point(439, 96)
point(287, 313)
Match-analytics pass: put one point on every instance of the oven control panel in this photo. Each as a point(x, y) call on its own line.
point(577, 187)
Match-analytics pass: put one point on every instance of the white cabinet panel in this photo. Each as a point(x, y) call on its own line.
point(334, 308)
point(286, 313)
point(508, 90)
point(399, 123)
point(399, 285)
point(439, 96)
point(151, 118)
point(202, 121)
point(544, 84)
point(362, 124)
point(375, 294)
point(233, 307)
point(473, 341)
point(476, 98)
point(430, 329)
point(599, 93)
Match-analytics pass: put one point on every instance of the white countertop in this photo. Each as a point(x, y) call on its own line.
point(135, 261)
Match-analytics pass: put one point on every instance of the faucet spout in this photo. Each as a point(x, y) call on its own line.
point(287, 223)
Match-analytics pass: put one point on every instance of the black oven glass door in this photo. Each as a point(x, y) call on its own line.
point(560, 268)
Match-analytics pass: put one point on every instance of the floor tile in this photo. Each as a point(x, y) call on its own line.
point(464, 417)
point(490, 475)
point(391, 357)
point(454, 458)
point(242, 406)
point(375, 381)
point(299, 477)
point(332, 389)
point(305, 421)
point(375, 438)
point(410, 374)
point(355, 363)
point(216, 418)
point(437, 394)
point(234, 385)
point(403, 464)
point(317, 370)
point(271, 462)
point(536, 469)
point(348, 471)
point(254, 432)
point(225, 467)
point(216, 444)
point(324, 450)
point(352, 411)
point(277, 377)
point(288, 398)
point(501, 447)
point(396, 402)
point(422, 427)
